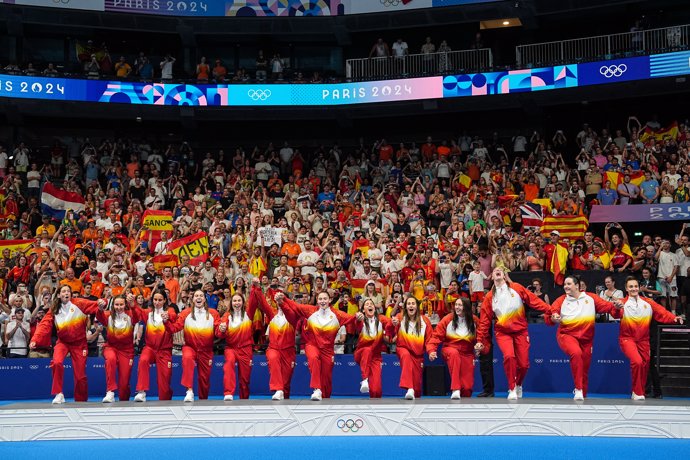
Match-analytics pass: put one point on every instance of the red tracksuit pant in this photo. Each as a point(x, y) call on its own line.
point(120, 361)
point(281, 364)
point(243, 358)
point(370, 363)
point(78, 353)
point(203, 359)
point(515, 349)
point(461, 369)
point(580, 353)
point(163, 361)
point(411, 367)
point(638, 354)
point(321, 368)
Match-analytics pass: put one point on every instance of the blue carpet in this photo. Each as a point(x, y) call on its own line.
point(364, 448)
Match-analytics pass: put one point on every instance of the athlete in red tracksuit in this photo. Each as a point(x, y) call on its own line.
point(506, 302)
point(457, 333)
point(236, 327)
point(201, 325)
point(411, 333)
point(371, 330)
point(576, 311)
point(158, 349)
point(119, 349)
point(320, 330)
point(636, 314)
point(70, 316)
point(280, 354)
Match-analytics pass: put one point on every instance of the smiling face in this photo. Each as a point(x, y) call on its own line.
point(119, 305)
point(633, 288)
point(571, 287)
point(368, 308)
point(411, 306)
point(237, 302)
point(458, 307)
point(65, 294)
point(199, 299)
point(323, 300)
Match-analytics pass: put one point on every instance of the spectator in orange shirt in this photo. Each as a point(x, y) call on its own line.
point(531, 189)
point(291, 249)
point(75, 284)
point(171, 285)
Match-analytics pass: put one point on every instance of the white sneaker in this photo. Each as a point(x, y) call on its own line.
point(59, 399)
point(634, 397)
point(577, 395)
point(226, 398)
point(455, 394)
point(512, 395)
point(518, 391)
point(189, 397)
point(140, 397)
point(109, 397)
point(410, 394)
point(278, 395)
point(364, 386)
point(316, 395)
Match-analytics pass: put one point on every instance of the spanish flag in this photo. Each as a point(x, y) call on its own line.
point(362, 245)
point(557, 264)
point(465, 183)
point(164, 260)
point(671, 131)
point(257, 266)
point(15, 246)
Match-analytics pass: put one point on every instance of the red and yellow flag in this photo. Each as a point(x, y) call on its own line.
point(671, 131)
point(14, 246)
point(567, 226)
point(164, 260)
point(195, 246)
point(465, 183)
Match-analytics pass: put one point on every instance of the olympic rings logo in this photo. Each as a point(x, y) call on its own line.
point(613, 70)
point(349, 425)
point(33, 367)
point(538, 360)
point(64, 2)
point(259, 94)
point(388, 3)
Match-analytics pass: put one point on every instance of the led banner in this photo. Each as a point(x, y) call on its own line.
point(640, 213)
point(246, 95)
point(94, 5)
point(245, 8)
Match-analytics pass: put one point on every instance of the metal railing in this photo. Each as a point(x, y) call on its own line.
point(418, 65)
point(602, 47)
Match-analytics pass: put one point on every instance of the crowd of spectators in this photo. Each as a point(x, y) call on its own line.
point(372, 220)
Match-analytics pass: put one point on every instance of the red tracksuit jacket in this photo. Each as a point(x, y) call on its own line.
point(281, 323)
point(636, 315)
point(157, 338)
point(372, 336)
point(450, 336)
point(408, 337)
point(199, 331)
point(321, 328)
point(120, 328)
point(70, 322)
point(578, 314)
point(508, 307)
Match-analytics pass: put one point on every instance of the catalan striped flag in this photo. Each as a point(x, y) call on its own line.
point(567, 226)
